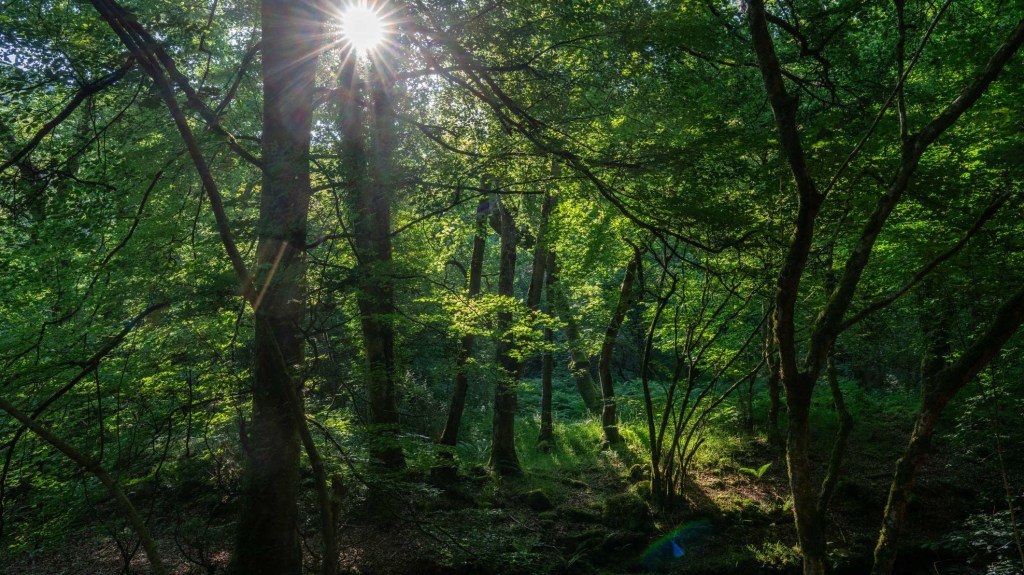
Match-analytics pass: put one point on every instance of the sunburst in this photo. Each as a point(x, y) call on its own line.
point(363, 27)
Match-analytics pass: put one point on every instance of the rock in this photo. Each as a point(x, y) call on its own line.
point(538, 500)
point(642, 490)
point(638, 473)
point(627, 512)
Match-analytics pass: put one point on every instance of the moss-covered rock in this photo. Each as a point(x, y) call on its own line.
point(627, 512)
point(638, 473)
point(538, 500)
point(642, 490)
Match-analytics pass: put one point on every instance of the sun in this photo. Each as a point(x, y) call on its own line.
point(363, 27)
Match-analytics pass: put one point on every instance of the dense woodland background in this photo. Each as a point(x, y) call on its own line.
point(589, 286)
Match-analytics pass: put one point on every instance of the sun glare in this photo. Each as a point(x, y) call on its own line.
point(362, 27)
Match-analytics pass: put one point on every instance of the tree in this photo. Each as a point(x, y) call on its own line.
point(799, 380)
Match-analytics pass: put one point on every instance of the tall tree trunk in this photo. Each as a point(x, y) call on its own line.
point(450, 435)
point(609, 421)
point(579, 363)
point(267, 529)
point(547, 429)
point(533, 299)
point(940, 386)
point(372, 238)
point(504, 459)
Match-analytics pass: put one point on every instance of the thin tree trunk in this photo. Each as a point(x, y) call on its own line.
point(504, 459)
point(940, 387)
point(835, 462)
point(533, 299)
point(609, 420)
point(450, 435)
point(579, 363)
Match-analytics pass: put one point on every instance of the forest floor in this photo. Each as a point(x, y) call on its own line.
point(582, 510)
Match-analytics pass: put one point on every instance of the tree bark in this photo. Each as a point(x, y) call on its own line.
point(504, 459)
point(809, 523)
point(609, 420)
point(267, 529)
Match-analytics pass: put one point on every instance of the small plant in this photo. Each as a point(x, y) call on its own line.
point(757, 473)
point(776, 555)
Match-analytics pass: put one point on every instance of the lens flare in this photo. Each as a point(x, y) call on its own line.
point(363, 27)
point(672, 546)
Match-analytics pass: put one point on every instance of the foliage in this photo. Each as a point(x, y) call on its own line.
point(123, 329)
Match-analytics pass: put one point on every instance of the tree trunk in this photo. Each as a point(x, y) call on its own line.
point(810, 528)
point(533, 298)
point(267, 529)
point(609, 421)
point(940, 387)
point(450, 435)
point(547, 431)
point(895, 513)
point(504, 459)
point(579, 363)
point(372, 240)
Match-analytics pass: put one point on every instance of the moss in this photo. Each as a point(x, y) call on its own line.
point(627, 512)
point(538, 500)
point(638, 473)
point(577, 515)
point(642, 490)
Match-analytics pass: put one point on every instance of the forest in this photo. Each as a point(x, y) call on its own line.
point(511, 287)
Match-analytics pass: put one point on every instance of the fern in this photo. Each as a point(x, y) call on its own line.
point(757, 473)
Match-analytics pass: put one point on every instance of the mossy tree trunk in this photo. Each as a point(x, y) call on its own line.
point(579, 363)
point(609, 420)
